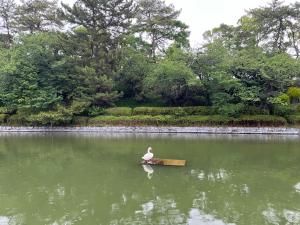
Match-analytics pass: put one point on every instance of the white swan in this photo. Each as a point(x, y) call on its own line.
point(148, 156)
point(149, 170)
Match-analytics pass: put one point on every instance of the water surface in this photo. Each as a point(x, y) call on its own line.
point(64, 179)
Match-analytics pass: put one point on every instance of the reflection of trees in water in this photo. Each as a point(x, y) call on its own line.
point(157, 211)
point(273, 216)
point(87, 181)
point(240, 197)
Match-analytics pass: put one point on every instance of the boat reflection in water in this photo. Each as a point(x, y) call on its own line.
point(149, 170)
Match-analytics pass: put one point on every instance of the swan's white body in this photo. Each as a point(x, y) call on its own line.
point(149, 155)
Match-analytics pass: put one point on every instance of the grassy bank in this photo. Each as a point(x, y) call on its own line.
point(148, 116)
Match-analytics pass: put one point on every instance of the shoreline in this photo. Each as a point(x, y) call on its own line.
point(184, 130)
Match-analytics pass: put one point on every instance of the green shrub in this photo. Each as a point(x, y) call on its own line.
point(176, 111)
point(16, 119)
point(260, 120)
point(168, 120)
point(215, 120)
point(4, 110)
point(78, 107)
point(142, 120)
point(200, 110)
point(253, 110)
point(294, 119)
point(154, 111)
point(99, 120)
point(294, 93)
point(52, 118)
point(118, 111)
point(283, 110)
point(80, 120)
point(96, 111)
point(3, 118)
point(162, 120)
point(132, 103)
point(231, 109)
point(296, 109)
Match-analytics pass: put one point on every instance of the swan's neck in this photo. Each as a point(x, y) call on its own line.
point(149, 150)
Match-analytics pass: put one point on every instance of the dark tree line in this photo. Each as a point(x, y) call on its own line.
point(94, 53)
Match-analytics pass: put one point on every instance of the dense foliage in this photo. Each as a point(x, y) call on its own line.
point(61, 62)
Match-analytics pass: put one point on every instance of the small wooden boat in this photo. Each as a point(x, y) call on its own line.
point(165, 162)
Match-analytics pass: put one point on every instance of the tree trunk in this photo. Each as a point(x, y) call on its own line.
point(295, 44)
point(153, 46)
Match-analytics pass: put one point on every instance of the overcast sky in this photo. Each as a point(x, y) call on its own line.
point(203, 15)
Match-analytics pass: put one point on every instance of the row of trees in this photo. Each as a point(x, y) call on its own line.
point(97, 52)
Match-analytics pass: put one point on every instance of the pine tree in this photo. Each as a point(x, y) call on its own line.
point(37, 15)
point(158, 23)
point(7, 15)
point(104, 22)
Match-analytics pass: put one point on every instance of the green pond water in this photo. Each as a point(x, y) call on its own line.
point(64, 179)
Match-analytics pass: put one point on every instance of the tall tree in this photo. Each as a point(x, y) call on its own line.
point(172, 80)
point(26, 75)
point(7, 15)
point(37, 15)
point(211, 65)
point(95, 87)
point(158, 23)
point(226, 34)
point(247, 33)
point(133, 68)
point(274, 27)
point(278, 26)
point(268, 76)
point(104, 22)
point(98, 30)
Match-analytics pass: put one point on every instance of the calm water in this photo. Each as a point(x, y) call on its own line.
point(66, 179)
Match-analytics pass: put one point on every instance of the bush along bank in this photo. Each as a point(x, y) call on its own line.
point(186, 121)
point(145, 116)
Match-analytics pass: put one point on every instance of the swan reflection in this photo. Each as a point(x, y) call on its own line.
point(149, 170)
point(297, 187)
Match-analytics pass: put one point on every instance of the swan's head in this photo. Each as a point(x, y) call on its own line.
point(149, 149)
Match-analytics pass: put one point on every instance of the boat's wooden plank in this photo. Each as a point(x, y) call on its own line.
point(166, 162)
point(173, 162)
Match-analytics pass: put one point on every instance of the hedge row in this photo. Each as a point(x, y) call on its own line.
point(146, 120)
point(175, 111)
point(157, 111)
point(49, 118)
point(4, 110)
point(4, 114)
point(3, 118)
point(167, 120)
point(297, 108)
point(294, 119)
point(143, 116)
point(261, 120)
point(41, 119)
point(118, 111)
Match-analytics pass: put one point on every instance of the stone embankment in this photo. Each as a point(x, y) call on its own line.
point(196, 130)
